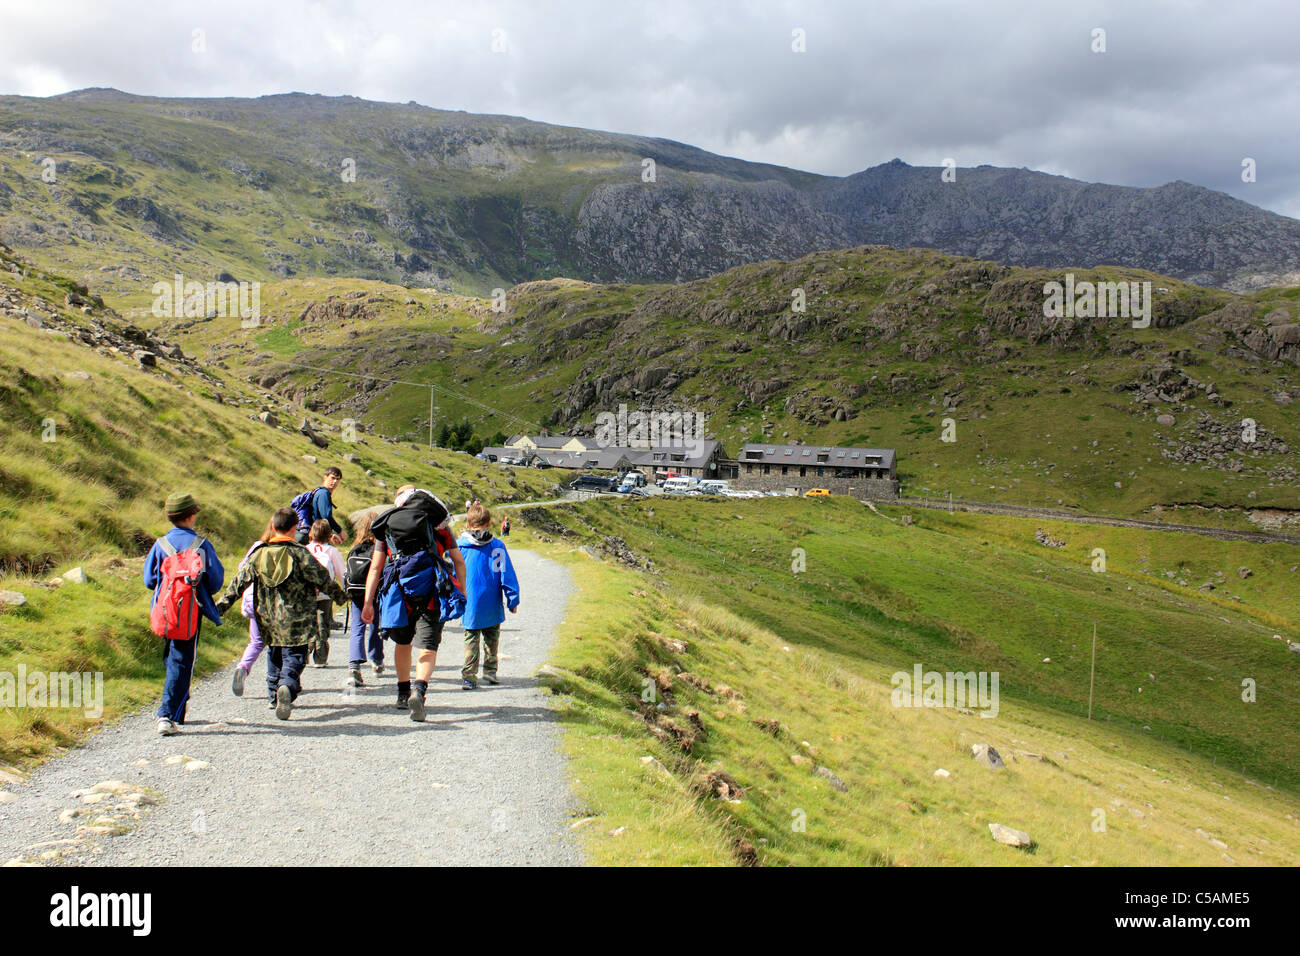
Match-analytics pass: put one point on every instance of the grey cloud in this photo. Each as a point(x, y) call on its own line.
point(1184, 91)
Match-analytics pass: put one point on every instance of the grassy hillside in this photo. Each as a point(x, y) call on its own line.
point(764, 675)
point(311, 185)
point(892, 344)
point(122, 438)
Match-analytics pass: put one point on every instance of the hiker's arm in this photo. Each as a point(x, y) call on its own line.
point(324, 508)
point(236, 589)
point(509, 581)
point(213, 572)
point(458, 562)
point(378, 558)
point(151, 568)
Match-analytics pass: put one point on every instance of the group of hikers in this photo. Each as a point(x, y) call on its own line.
point(404, 577)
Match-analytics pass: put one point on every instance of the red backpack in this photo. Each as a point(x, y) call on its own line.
point(176, 612)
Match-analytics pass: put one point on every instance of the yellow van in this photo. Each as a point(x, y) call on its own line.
point(816, 492)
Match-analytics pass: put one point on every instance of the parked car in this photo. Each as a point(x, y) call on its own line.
point(845, 473)
point(592, 483)
point(542, 463)
point(816, 493)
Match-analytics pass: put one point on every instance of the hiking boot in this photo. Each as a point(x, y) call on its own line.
point(320, 653)
point(167, 728)
point(283, 702)
point(354, 678)
point(416, 703)
point(237, 682)
point(376, 668)
point(491, 678)
point(468, 685)
point(403, 701)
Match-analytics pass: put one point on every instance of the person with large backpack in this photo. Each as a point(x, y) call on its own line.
point(183, 571)
point(408, 573)
point(318, 504)
point(364, 640)
point(285, 578)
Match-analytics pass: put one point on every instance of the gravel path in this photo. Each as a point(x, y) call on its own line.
point(347, 780)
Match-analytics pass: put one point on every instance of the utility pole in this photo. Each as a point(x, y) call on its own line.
point(431, 418)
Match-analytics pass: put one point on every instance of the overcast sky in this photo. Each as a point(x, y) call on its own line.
point(1184, 90)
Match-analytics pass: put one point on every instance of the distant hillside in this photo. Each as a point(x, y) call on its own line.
point(1090, 413)
point(256, 188)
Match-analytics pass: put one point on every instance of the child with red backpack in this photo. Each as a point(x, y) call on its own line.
point(183, 571)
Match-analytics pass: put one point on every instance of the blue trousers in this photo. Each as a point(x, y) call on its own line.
point(178, 660)
point(284, 665)
point(360, 642)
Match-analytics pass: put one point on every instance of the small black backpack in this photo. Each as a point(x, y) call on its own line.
point(358, 569)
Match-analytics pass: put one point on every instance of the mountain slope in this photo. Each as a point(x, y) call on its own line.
point(90, 445)
point(891, 344)
point(257, 188)
point(724, 706)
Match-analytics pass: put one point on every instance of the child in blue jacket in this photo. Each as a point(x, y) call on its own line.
point(178, 656)
point(489, 576)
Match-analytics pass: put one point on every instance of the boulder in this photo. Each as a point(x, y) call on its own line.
point(76, 576)
point(826, 774)
point(1166, 420)
point(986, 756)
point(146, 359)
point(268, 418)
point(12, 599)
point(305, 427)
point(1008, 836)
point(1285, 334)
point(1047, 540)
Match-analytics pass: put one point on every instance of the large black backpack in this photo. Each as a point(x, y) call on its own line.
point(411, 528)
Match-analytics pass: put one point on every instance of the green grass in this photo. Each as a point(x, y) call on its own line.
point(122, 440)
point(813, 652)
point(1046, 425)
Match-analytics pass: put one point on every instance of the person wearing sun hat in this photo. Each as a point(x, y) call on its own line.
point(178, 656)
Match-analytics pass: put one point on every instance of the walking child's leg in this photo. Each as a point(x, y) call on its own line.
point(178, 660)
point(402, 662)
point(274, 656)
point(255, 646)
point(470, 671)
point(295, 662)
point(320, 647)
point(491, 641)
point(425, 665)
point(357, 638)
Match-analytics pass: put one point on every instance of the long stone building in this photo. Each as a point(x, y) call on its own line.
point(859, 472)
